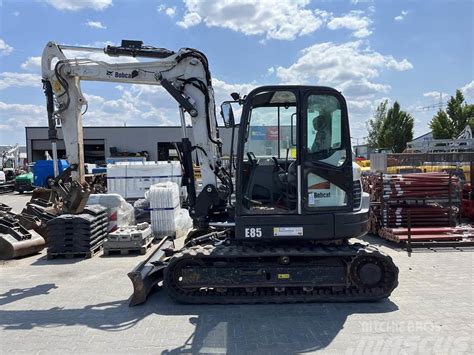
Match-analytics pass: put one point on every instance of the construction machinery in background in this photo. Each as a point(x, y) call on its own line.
point(11, 158)
point(9, 168)
point(464, 142)
point(274, 226)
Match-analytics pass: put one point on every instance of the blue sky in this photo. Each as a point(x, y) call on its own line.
point(408, 51)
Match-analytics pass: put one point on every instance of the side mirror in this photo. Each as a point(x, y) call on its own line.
point(227, 114)
point(235, 96)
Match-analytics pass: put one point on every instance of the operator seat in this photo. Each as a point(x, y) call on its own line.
point(322, 140)
point(288, 184)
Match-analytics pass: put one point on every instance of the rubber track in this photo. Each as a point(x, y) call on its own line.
point(290, 295)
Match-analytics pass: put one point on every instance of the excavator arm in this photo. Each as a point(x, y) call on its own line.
point(184, 75)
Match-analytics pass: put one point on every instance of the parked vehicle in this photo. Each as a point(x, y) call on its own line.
point(24, 182)
point(43, 172)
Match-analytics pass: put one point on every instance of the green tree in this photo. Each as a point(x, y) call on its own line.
point(374, 125)
point(397, 129)
point(450, 123)
point(442, 126)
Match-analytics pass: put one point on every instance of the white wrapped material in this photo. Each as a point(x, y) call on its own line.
point(119, 211)
point(183, 223)
point(164, 206)
point(133, 179)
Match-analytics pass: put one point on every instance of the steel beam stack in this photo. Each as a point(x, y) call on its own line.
point(434, 186)
point(422, 205)
point(81, 235)
point(427, 234)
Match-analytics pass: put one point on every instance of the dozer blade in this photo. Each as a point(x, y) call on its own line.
point(149, 272)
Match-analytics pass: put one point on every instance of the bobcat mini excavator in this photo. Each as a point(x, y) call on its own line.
point(273, 226)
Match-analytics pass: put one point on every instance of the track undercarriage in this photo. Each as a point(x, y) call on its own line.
point(263, 273)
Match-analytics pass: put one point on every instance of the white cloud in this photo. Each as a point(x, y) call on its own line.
point(222, 89)
point(399, 66)
point(468, 91)
point(169, 11)
point(136, 105)
point(189, 20)
point(95, 24)
point(355, 21)
point(32, 63)
point(9, 79)
point(401, 16)
point(15, 117)
point(94, 99)
point(75, 5)
point(5, 49)
point(352, 68)
point(435, 95)
point(283, 19)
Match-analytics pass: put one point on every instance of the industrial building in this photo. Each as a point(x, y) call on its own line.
point(101, 143)
point(154, 142)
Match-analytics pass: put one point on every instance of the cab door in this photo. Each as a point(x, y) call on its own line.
point(325, 148)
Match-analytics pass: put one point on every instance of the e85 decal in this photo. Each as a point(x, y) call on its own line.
point(253, 232)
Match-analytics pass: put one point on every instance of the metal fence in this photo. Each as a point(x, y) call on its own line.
point(456, 163)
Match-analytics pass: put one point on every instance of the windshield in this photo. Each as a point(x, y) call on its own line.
point(269, 129)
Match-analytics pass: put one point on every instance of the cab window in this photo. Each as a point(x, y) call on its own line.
point(324, 135)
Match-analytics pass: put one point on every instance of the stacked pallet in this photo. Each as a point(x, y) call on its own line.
point(129, 240)
point(77, 236)
point(423, 201)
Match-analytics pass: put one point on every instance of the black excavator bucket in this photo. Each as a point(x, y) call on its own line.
point(149, 272)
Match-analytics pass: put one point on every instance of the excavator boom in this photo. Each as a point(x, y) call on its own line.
point(183, 74)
